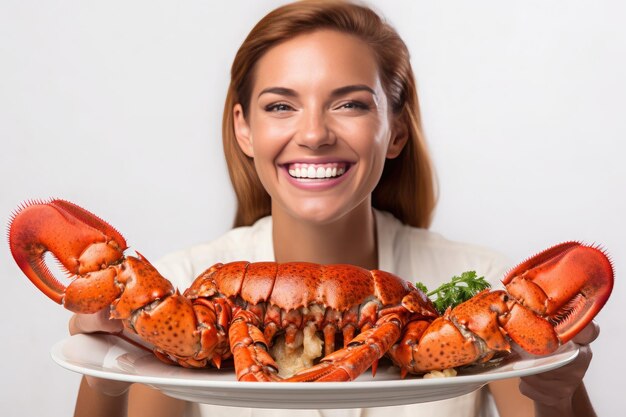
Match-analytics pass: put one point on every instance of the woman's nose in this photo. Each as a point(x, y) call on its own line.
point(313, 130)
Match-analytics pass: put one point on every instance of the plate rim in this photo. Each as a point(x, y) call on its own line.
point(479, 378)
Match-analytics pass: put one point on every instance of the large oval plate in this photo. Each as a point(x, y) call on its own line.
point(110, 357)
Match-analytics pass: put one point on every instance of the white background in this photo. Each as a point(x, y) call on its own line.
point(117, 106)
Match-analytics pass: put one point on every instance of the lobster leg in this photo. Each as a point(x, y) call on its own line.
point(362, 352)
point(249, 348)
point(466, 334)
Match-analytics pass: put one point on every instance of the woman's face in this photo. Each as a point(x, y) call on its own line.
point(319, 125)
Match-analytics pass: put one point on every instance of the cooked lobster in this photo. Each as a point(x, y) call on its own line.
point(239, 309)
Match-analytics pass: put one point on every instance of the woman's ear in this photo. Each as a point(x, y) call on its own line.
point(399, 137)
point(242, 131)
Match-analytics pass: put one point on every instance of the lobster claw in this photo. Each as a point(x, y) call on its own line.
point(40, 227)
point(567, 284)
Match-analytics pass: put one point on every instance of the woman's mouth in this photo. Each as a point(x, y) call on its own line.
point(304, 171)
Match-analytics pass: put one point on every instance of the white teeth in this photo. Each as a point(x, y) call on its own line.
point(316, 171)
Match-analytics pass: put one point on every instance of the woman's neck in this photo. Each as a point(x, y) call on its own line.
point(350, 239)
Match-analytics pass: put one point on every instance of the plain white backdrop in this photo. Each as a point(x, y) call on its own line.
point(117, 106)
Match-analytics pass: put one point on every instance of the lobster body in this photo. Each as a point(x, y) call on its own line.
point(238, 309)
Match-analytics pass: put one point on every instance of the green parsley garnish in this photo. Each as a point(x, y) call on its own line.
point(458, 290)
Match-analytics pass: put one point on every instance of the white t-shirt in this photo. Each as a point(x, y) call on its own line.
point(411, 253)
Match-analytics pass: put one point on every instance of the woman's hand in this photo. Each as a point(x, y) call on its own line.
point(92, 323)
point(557, 389)
point(99, 322)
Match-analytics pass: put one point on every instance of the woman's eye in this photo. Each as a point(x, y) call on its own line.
point(354, 105)
point(278, 107)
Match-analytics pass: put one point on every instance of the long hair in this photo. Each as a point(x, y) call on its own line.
point(407, 185)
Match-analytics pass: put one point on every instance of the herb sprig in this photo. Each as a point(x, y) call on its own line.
point(459, 289)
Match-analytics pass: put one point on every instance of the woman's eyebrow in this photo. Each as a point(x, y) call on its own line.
point(283, 91)
point(352, 88)
point(279, 90)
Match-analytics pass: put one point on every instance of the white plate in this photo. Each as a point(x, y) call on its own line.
point(110, 357)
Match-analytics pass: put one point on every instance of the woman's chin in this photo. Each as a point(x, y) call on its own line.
point(319, 211)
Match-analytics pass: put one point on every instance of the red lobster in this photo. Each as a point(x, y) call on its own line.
point(238, 309)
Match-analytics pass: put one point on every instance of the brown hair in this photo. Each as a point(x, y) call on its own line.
point(407, 185)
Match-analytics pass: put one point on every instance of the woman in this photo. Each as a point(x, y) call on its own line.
point(324, 145)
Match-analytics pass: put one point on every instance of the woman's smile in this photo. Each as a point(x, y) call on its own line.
point(316, 176)
point(317, 171)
